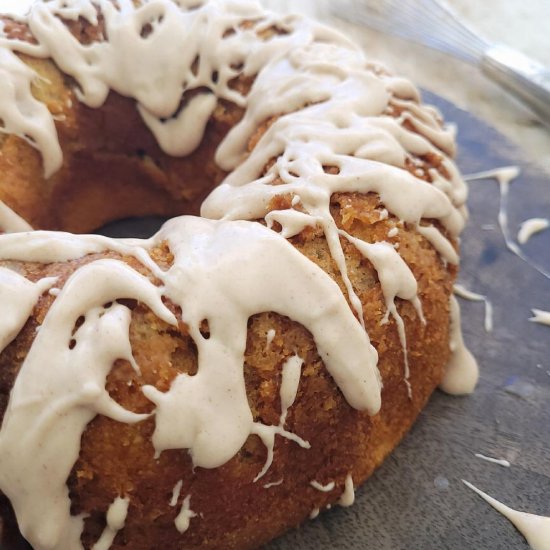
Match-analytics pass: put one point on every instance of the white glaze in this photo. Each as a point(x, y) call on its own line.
point(176, 491)
point(116, 517)
point(541, 317)
point(10, 222)
point(314, 513)
point(292, 371)
point(18, 297)
point(463, 292)
point(348, 97)
point(347, 498)
point(24, 116)
point(335, 108)
point(269, 338)
point(397, 281)
point(56, 246)
point(183, 519)
point(531, 227)
point(323, 488)
point(535, 529)
point(462, 372)
point(291, 221)
point(273, 483)
point(499, 461)
point(393, 232)
point(52, 402)
point(439, 242)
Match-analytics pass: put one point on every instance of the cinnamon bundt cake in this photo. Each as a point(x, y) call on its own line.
point(220, 382)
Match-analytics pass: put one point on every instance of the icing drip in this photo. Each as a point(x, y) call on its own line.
point(393, 232)
point(499, 461)
point(504, 177)
point(176, 493)
point(541, 317)
point(291, 221)
point(531, 227)
point(347, 498)
point(289, 389)
point(273, 484)
point(300, 165)
point(292, 370)
point(463, 292)
point(338, 96)
point(183, 519)
point(10, 222)
point(185, 514)
point(56, 246)
point(462, 372)
point(116, 517)
point(397, 281)
point(535, 529)
point(24, 116)
point(323, 488)
point(314, 513)
point(443, 246)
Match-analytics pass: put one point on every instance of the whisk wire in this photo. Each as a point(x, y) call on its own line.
point(439, 29)
point(432, 24)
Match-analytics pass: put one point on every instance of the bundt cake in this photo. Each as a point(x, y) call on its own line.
point(234, 374)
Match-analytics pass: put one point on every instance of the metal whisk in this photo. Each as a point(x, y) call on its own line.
point(432, 24)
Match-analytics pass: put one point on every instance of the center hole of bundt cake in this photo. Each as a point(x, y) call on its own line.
point(138, 228)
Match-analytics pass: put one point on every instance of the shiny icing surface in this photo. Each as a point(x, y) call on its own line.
point(334, 109)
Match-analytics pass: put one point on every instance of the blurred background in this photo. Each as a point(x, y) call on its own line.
point(522, 24)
